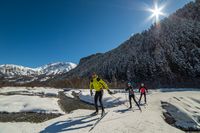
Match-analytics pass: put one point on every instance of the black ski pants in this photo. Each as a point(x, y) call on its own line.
point(133, 97)
point(145, 99)
point(98, 97)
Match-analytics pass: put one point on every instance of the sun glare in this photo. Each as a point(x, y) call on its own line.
point(156, 12)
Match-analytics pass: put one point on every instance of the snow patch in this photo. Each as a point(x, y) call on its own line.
point(29, 90)
point(19, 103)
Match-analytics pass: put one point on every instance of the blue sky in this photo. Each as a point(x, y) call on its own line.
point(38, 32)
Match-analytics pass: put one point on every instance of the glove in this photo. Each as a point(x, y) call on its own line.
point(110, 92)
point(91, 93)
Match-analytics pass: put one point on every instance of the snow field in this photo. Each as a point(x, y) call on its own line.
point(119, 119)
point(25, 103)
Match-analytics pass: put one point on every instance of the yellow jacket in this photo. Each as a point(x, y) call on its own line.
point(98, 84)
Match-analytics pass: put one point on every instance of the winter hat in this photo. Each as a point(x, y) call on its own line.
point(129, 83)
point(142, 84)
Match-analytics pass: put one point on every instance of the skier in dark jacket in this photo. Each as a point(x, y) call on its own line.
point(131, 95)
point(143, 90)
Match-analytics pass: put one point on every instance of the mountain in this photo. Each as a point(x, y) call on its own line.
point(165, 55)
point(21, 74)
point(10, 70)
point(56, 68)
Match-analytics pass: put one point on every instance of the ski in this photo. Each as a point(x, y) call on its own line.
point(144, 105)
point(131, 109)
point(100, 118)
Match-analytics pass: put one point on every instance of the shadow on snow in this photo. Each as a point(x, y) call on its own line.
point(68, 125)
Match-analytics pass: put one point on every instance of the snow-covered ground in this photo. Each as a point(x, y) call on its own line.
point(25, 103)
point(118, 119)
point(29, 90)
point(108, 100)
point(19, 103)
point(68, 93)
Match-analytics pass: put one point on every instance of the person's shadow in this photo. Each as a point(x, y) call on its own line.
point(122, 110)
point(62, 126)
point(125, 110)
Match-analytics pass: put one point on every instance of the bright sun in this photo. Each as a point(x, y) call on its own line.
point(156, 12)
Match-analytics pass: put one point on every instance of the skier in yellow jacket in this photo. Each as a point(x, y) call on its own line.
point(98, 85)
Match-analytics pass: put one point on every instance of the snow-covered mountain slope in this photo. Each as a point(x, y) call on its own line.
point(56, 68)
point(163, 56)
point(10, 70)
point(21, 75)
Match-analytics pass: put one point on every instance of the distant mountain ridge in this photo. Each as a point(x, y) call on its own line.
point(21, 74)
point(50, 69)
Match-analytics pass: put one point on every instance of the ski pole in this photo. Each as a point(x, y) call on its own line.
point(126, 97)
point(136, 98)
point(119, 101)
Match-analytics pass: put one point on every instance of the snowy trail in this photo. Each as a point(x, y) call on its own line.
point(118, 120)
